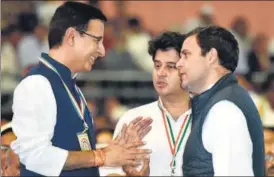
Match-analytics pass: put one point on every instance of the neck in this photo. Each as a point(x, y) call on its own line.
point(61, 57)
point(176, 105)
point(209, 81)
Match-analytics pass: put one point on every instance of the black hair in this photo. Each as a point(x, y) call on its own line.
point(71, 14)
point(220, 39)
point(27, 21)
point(165, 41)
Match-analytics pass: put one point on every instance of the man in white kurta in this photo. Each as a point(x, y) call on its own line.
point(170, 114)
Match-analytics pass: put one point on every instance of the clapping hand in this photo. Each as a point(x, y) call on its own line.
point(136, 131)
point(124, 149)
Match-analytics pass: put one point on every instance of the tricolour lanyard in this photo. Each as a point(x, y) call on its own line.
point(80, 110)
point(174, 145)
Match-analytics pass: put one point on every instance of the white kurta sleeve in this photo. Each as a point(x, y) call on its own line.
point(33, 123)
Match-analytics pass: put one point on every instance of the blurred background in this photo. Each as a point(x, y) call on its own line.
point(122, 79)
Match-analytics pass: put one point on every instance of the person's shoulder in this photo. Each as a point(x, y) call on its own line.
point(225, 105)
point(226, 111)
point(33, 82)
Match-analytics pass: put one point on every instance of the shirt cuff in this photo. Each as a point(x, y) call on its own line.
point(51, 163)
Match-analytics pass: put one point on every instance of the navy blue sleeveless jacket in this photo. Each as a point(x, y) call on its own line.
point(68, 122)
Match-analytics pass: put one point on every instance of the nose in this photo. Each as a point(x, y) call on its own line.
point(101, 50)
point(179, 63)
point(161, 72)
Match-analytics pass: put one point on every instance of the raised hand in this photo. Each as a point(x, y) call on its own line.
point(138, 129)
point(120, 153)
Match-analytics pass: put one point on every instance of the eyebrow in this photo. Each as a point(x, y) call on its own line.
point(93, 36)
point(172, 63)
point(98, 37)
point(184, 51)
point(169, 62)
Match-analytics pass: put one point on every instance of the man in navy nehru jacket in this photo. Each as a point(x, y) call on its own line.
point(55, 135)
point(226, 137)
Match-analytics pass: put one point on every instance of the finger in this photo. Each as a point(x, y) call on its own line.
point(145, 121)
point(133, 162)
point(139, 163)
point(131, 135)
point(146, 164)
point(130, 169)
point(144, 132)
point(145, 169)
point(142, 151)
point(143, 124)
point(138, 157)
point(124, 130)
point(117, 138)
point(121, 135)
point(134, 144)
point(131, 126)
point(126, 137)
point(136, 120)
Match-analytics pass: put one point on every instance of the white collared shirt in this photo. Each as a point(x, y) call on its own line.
point(156, 140)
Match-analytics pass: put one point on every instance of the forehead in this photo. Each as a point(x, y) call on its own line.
point(170, 55)
point(96, 27)
point(191, 43)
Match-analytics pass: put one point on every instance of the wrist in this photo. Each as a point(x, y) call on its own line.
point(99, 158)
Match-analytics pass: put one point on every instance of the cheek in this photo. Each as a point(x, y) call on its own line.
point(197, 66)
point(154, 75)
point(90, 47)
point(174, 81)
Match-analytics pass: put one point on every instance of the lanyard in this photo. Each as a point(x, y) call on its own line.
point(80, 110)
point(174, 145)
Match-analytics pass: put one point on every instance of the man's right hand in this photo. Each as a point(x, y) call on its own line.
point(119, 153)
point(132, 171)
point(138, 129)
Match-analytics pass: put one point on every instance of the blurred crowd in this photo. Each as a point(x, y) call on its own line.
point(24, 37)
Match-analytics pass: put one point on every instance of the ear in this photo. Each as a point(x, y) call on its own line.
point(69, 36)
point(212, 56)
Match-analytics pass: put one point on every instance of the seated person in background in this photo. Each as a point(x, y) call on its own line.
point(9, 160)
point(118, 57)
point(266, 102)
point(248, 86)
point(259, 59)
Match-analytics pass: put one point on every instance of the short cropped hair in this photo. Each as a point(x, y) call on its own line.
point(165, 41)
point(71, 14)
point(220, 39)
